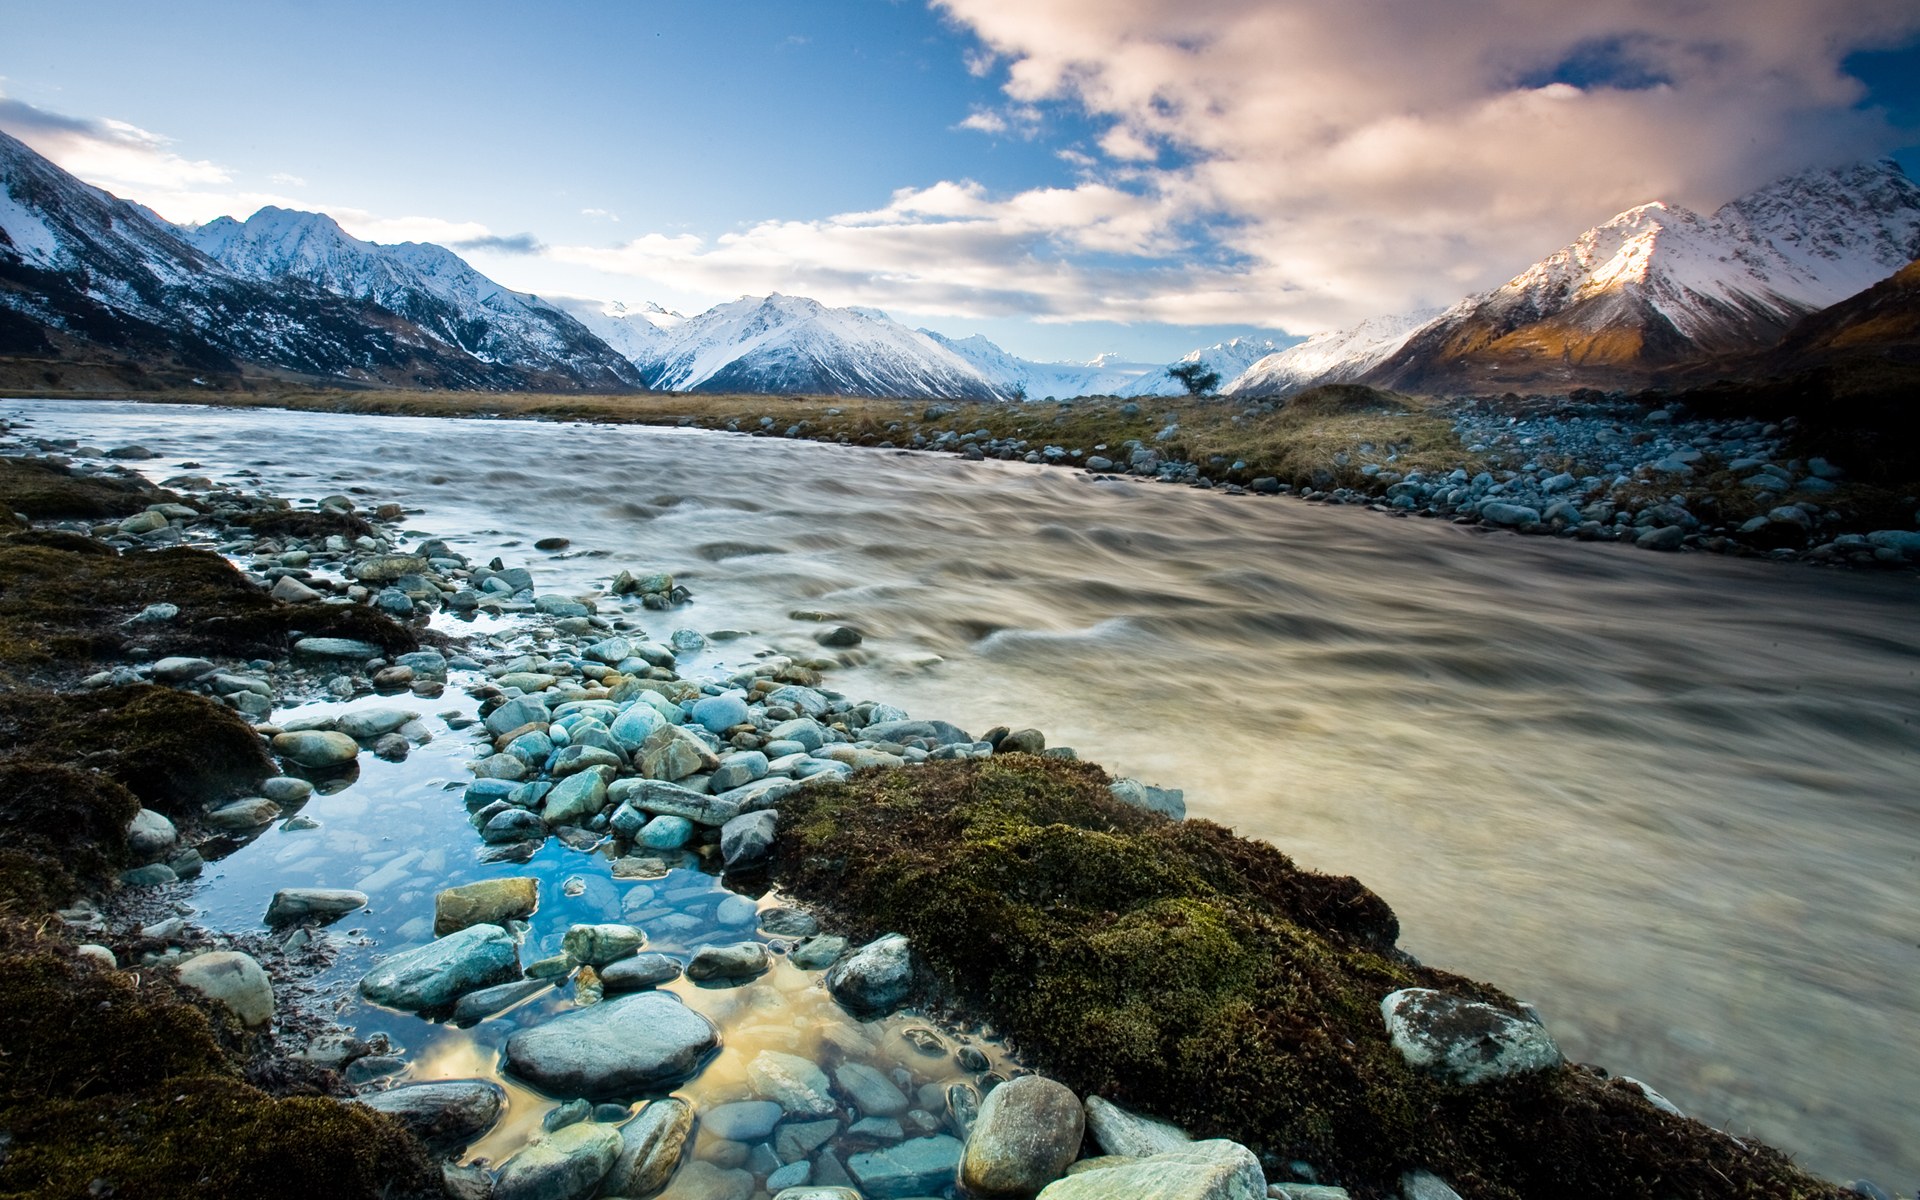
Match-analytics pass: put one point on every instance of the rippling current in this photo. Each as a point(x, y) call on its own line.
point(1672, 800)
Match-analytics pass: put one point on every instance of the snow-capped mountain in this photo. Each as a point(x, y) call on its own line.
point(1106, 375)
point(1336, 357)
point(790, 344)
point(87, 278)
point(636, 332)
point(424, 283)
point(1229, 359)
point(1659, 285)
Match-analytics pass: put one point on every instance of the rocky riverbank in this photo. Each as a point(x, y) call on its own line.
point(1129, 954)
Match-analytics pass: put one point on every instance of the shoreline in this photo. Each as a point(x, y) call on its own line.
point(569, 616)
point(1662, 480)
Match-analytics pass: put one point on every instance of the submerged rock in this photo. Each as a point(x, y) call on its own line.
point(920, 1167)
point(618, 1048)
point(567, 1164)
point(316, 749)
point(651, 1145)
point(440, 972)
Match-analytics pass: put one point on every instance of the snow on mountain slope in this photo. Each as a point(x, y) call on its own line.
point(790, 344)
point(1228, 359)
point(427, 284)
point(1660, 285)
point(1106, 375)
point(637, 333)
point(1334, 357)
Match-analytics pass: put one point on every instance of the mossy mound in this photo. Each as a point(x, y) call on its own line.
point(47, 491)
point(174, 750)
point(308, 525)
point(64, 601)
point(1207, 979)
point(61, 829)
point(1333, 398)
point(113, 1089)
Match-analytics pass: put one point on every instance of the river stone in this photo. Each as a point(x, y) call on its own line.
point(702, 1180)
point(1464, 1041)
point(180, 670)
point(385, 568)
point(516, 713)
point(1667, 537)
point(620, 1047)
point(741, 960)
point(921, 1167)
point(816, 1193)
point(640, 971)
point(659, 798)
point(446, 1115)
point(906, 731)
point(782, 921)
point(514, 825)
point(490, 902)
point(650, 1148)
point(567, 1164)
point(635, 725)
point(233, 980)
point(665, 833)
point(797, 1139)
point(1425, 1185)
point(873, 1093)
point(1128, 1134)
point(287, 790)
point(875, 979)
point(1027, 1132)
point(739, 770)
point(747, 840)
point(819, 952)
point(720, 713)
point(250, 813)
point(298, 904)
point(370, 723)
point(478, 1006)
point(1510, 516)
point(577, 798)
point(150, 834)
point(329, 647)
point(598, 945)
point(440, 972)
point(1213, 1170)
point(743, 1120)
point(582, 756)
point(316, 749)
point(796, 1083)
point(672, 753)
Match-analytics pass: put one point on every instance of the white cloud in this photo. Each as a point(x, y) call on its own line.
point(603, 214)
point(984, 121)
point(286, 180)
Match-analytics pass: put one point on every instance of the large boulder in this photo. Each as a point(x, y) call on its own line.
point(641, 1042)
point(1464, 1041)
point(447, 1115)
point(875, 979)
point(1215, 1170)
point(1027, 1132)
point(1120, 1132)
point(443, 970)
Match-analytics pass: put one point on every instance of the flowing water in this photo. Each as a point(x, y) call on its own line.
point(1674, 801)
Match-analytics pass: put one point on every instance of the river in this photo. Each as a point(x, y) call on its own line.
point(1673, 801)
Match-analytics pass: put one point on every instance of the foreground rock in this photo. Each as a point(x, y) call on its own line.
point(447, 1116)
point(875, 979)
point(440, 972)
point(1027, 1132)
point(651, 1145)
point(567, 1164)
point(1464, 1041)
point(619, 1048)
point(233, 980)
point(1216, 1170)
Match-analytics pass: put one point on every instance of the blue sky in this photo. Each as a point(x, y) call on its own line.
point(1067, 176)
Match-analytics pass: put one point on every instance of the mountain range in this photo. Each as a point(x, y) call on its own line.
point(89, 279)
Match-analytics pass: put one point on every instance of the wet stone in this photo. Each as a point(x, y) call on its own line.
point(788, 922)
point(478, 1006)
point(316, 749)
point(438, 973)
point(741, 960)
point(640, 971)
point(1027, 1132)
point(874, 979)
point(798, 1139)
point(795, 1083)
point(920, 1167)
point(620, 1047)
point(598, 945)
point(871, 1092)
point(489, 901)
point(447, 1116)
point(650, 1148)
point(567, 1164)
point(299, 904)
point(742, 1121)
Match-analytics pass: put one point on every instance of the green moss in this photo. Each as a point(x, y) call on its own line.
point(109, 1087)
point(305, 524)
point(1193, 974)
point(174, 750)
point(64, 601)
point(46, 491)
point(62, 828)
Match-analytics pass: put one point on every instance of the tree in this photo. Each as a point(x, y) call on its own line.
point(1198, 378)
